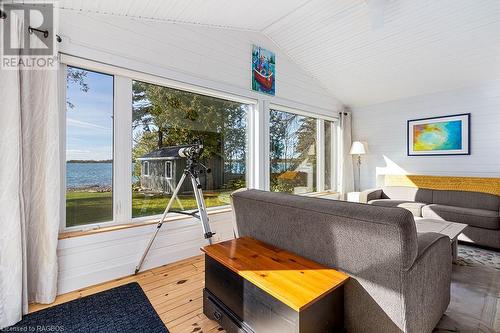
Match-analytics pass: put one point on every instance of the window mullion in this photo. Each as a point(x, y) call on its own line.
point(122, 166)
point(264, 163)
point(258, 147)
point(320, 155)
point(334, 156)
point(62, 134)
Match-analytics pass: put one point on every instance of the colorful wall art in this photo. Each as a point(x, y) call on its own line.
point(447, 135)
point(263, 70)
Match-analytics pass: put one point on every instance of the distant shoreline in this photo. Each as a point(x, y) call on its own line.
point(91, 188)
point(89, 161)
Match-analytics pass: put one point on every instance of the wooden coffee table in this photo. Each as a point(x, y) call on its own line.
point(450, 229)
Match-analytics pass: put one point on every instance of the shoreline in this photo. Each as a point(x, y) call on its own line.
point(91, 188)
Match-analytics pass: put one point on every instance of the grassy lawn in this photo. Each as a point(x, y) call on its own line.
point(88, 207)
point(91, 207)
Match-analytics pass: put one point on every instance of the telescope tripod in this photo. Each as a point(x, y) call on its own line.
point(200, 214)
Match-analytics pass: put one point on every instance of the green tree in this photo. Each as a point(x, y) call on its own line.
point(165, 117)
point(306, 136)
point(76, 76)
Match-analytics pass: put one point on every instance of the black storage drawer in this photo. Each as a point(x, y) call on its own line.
point(214, 309)
point(240, 306)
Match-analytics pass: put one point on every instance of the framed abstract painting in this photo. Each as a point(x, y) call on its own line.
point(447, 135)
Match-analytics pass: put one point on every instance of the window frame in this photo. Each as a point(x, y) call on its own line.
point(258, 168)
point(146, 78)
point(320, 147)
point(62, 96)
point(170, 164)
point(145, 166)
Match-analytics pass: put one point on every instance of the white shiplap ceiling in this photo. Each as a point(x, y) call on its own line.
point(232, 14)
point(363, 51)
point(421, 46)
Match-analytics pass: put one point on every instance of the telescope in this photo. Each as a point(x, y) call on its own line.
point(192, 170)
point(190, 151)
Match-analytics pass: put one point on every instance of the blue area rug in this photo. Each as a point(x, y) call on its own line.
point(121, 309)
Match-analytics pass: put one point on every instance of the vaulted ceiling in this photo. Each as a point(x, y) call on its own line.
point(363, 51)
point(232, 14)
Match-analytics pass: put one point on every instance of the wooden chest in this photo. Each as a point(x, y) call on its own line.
point(253, 287)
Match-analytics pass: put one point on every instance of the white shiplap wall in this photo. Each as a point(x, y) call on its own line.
point(383, 126)
point(92, 259)
point(218, 59)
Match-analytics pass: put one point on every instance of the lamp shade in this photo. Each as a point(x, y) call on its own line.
point(357, 148)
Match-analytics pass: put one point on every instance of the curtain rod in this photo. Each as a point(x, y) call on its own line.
point(3, 16)
point(44, 32)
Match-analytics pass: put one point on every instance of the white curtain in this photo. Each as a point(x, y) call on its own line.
point(29, 187)
point(346, 172)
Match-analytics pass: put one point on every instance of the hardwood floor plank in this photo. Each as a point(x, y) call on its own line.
point(178, 301)
point(162, 291)
point(185, 319)
point(197, 324)
point(178, 276)
point(181, 310)
point(183, 291)
point(175, 290)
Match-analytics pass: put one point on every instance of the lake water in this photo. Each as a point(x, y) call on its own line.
point(101, 174)
point(89, 174)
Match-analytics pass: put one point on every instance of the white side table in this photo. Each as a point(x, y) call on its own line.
point(353, 196)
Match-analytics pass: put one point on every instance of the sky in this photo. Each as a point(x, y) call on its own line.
point(89, 124)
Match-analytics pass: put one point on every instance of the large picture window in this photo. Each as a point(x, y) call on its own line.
point(165, 117)
point(292, 152)
point(89, 147)
point(120, 164)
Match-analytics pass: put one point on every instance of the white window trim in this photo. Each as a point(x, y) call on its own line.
point(258, 164)
point(300, 112)
point(171, 169)
point(335, 157)
point(61, 84)
point(320, 155)
point(145, 165)
point(122, 147)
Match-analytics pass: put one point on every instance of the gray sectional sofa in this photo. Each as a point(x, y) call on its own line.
point(400, 280)
point(480, 211)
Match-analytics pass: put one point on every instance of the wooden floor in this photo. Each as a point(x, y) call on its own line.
point(175, 290)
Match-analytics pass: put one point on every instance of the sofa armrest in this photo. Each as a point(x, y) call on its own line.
point(371, 194)
point(426, 285)
point(428, 241)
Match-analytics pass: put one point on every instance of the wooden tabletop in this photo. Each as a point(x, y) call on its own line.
point(294, 280)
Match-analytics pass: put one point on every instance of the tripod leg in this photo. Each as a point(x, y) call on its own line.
point(176, 197)
point(202, 211)
point(160, 223)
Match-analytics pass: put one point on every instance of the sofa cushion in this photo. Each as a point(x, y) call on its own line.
point(407, 193)
point(414, 207)
point(481, 218)
point(466, 199)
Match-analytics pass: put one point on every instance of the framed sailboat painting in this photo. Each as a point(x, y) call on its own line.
point(447, 135)
point(263, 70)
